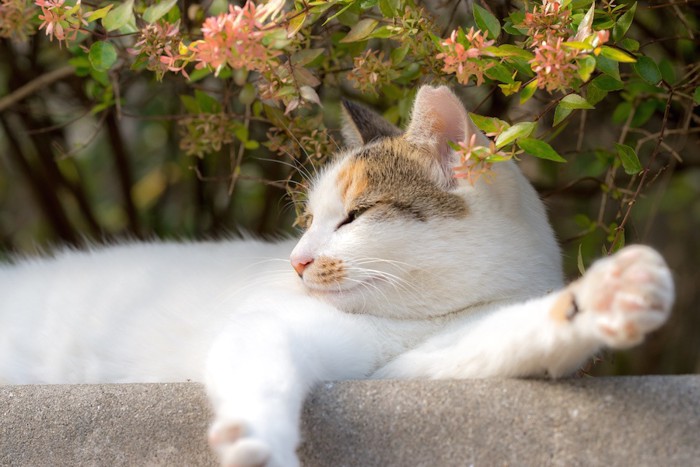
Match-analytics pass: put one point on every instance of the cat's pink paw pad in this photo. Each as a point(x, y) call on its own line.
point(626, 295)
point(235, 449)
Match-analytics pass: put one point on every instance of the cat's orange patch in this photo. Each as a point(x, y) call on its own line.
point(352, 180)
point(562, 305)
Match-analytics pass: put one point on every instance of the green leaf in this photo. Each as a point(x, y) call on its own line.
point(360, 30)
point(510, 88)
point(696, 95)
point(487, 22)
point(668, 73)
point(578, 45)
point(629, 44)
point(383, 32)
point(248, 94)
point(579, 261)
point(119, 17)
point(528, 92)
point(647, 69)
point(538, 148)
point(607, 66)
point(574, 101)
point(629, 159)
point(560, 113)
point(98, 14)
point(623, 23)
point(155, 12)
point(206, 103)
point(616, 55)
point(586, 65)
point(607, 83)
point(389, 8)
point(305, 56)
point(398, 54)
point(499, 72)
point(102, 55)
point(488, 124)
point(594, 94)
point(190, 104)
point(519, 130)
point(643, 112)
point(509, 50)
point(621, 112)
point(295, 24)
point(251, 144)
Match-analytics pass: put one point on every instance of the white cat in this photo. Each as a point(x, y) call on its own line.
point(403, 272)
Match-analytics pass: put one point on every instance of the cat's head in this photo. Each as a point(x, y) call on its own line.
point(393, 233)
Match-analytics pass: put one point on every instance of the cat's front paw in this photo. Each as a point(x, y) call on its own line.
point(625, 296)
point(232, 442)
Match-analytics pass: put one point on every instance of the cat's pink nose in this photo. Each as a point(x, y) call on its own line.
point(300, 264)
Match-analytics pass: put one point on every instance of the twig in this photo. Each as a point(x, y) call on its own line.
point(645, 173)
point(34, 85)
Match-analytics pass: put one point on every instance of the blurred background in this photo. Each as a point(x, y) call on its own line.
point(74, 174)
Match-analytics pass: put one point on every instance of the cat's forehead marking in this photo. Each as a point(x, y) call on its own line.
point(397, 174)
point(352, 180)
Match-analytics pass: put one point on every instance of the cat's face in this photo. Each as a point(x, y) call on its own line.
point(393, 234)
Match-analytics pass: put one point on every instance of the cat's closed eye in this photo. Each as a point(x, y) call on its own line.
point(352, 215)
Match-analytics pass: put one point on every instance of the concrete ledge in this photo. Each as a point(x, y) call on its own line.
point(602, 421)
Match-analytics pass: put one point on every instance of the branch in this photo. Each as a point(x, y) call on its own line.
point(34, 85)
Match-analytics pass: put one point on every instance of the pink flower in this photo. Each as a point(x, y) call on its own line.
point(61, 22)
point(554, 65)
point(462, 59)
point(16, 19)
point(476, 160)
point(547, 21)
point(234, 39)
point(158, 47)
point(370, 71)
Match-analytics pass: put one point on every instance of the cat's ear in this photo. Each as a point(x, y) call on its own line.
point(438, 117)
point(362, 125)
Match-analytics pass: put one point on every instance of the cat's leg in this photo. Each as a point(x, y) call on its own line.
point(615, 304)
point(262, 366)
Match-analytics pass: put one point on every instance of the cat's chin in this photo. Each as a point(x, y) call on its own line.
point(349, 299)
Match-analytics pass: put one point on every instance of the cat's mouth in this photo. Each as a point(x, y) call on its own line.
point(342, 289)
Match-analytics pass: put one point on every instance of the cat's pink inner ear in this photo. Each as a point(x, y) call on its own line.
point(438, 117)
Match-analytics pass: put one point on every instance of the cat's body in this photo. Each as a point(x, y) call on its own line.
point(403, 272)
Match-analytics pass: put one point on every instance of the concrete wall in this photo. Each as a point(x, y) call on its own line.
point(603, 421)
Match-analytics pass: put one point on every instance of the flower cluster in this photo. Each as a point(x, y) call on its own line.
point(235, 39)
point(61, 21)
point(158, 47)
point(476, 160)
point(555, 63)
point(547, 22)
point(16, 19)
point(205, 133)
point(461, 53)
point(303, 137)
point(370, 70)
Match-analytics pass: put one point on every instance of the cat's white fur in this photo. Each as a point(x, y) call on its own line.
point(478, 296)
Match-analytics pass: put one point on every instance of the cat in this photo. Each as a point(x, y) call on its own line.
point(404, 271)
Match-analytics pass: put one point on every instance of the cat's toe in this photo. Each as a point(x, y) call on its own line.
point(246, 452)
point(627, 295)
point(231, 441)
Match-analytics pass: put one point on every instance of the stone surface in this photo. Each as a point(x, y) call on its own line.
point(601, 421)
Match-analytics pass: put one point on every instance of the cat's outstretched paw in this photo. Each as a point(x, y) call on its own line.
point(625, 296)
point(231, 441)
